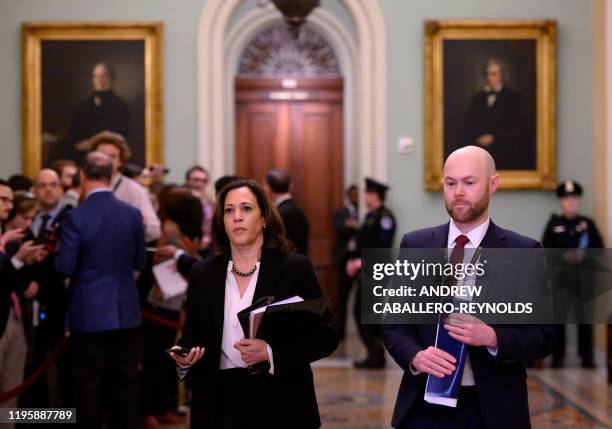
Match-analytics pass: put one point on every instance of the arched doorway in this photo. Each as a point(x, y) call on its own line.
point(220, 42)
point(289, 101)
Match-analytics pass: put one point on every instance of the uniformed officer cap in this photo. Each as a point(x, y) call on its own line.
point(569, 187)
point(374, 186)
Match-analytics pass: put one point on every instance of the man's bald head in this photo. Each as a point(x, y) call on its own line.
point(476, 157)
point(97, 167)
point(46, 175)
point(48, 189)
point(469, 182)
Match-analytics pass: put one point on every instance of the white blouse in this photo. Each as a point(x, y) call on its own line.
point(232, 331)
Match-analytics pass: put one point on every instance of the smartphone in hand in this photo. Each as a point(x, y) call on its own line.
point(183, 351)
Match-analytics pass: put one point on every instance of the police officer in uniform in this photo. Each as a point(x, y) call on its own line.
point(377, 231)
point(571, 230)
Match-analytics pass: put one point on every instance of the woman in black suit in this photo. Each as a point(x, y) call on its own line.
point(253, 261)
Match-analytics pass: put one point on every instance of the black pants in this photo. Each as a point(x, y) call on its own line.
point(370, 334)
point(111, 354)
point(467, 415)
point(345, 284)
point(241, 405)
point(42, 340)
point(234, 409)
point(585, 343)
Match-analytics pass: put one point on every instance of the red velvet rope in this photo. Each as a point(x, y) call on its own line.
point(52, 357)
point(150, 317)
point(38, 373)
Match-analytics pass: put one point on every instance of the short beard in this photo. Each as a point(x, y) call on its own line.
point(474, 211)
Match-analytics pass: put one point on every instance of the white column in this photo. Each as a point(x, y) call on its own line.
point(602, 116)
point(602, 128)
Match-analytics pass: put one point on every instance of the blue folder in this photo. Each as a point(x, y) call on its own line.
point(445, 391)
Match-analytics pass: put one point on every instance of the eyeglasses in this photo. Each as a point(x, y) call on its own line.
point(47, 185)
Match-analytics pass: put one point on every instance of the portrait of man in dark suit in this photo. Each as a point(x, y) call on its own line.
point(103, 89)
point(102, 110)
point(493, 120)
point(491, 103)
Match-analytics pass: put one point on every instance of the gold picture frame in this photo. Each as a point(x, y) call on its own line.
point(63, 53)
point(456, 49)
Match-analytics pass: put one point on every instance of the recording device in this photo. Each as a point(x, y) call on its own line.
point(183, 351)
point(165, 170)
point(49, 237)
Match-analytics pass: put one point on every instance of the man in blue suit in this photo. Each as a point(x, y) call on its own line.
point(101, 248)
point(493, 392)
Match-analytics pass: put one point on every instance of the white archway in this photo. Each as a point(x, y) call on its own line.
point(218, 54)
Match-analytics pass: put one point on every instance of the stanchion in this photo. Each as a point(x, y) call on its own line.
point(55, 353)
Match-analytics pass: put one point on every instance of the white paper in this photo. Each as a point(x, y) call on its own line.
point(441, 400)
point(256, 315)
point(170, 281)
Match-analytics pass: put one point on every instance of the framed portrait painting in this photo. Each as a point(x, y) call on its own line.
point(492, 84)
point(83, 78)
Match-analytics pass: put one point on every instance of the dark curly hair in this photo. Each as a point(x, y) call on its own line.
point(180, 206)
point(274, 232)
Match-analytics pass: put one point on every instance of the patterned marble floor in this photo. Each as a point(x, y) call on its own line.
point(571, 398)
point(350, 399)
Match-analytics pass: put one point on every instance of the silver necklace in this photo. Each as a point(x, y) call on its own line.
point(244, 274)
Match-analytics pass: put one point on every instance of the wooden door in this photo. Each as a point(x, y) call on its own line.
point(300, 130)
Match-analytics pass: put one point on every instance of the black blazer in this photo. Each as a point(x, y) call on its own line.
point(287, 398)
point(11, 280)
point(296, 225)
point(500, 379)
point(7, 278)
point(185, 263)
point(343, 234)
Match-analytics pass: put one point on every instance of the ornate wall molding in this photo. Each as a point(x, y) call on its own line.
point(275, 53)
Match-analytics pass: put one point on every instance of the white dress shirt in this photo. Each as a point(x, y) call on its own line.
point(282, 199)
point(37, 222)
point(232, 331)
point(475, 236)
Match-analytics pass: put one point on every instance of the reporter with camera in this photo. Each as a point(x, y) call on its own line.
point(13, 257)
point(45, 298)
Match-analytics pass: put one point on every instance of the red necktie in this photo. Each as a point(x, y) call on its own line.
point(458, 252)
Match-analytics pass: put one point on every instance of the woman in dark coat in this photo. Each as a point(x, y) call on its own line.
point(253, 261)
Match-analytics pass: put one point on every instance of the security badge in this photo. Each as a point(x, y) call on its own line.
point(352, 245)
point(386, 222)
point(582, 226)
point(559, 229)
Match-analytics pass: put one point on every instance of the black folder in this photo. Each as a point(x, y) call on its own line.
point(243, 315)
point(284, 321)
